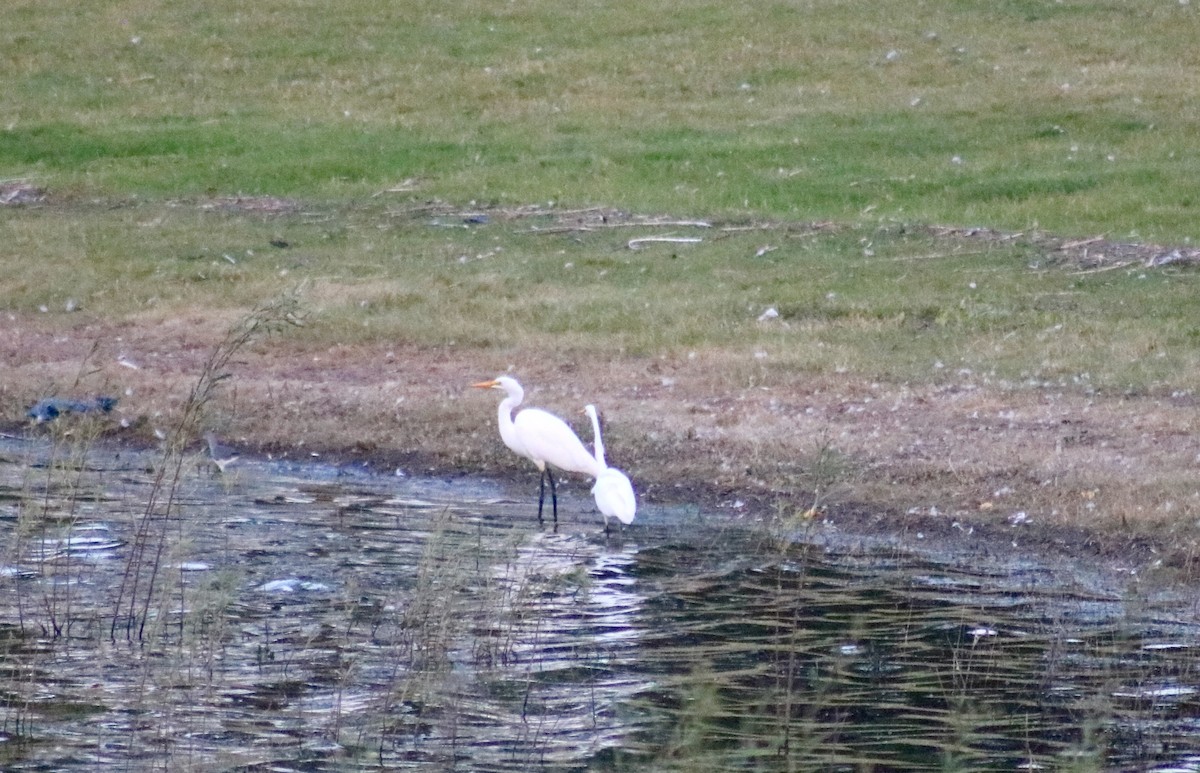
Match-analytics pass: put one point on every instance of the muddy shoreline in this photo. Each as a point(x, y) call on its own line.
point(1102, 563)
point(964, 464)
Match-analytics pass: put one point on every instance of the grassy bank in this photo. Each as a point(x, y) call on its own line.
point(459, 190)
point(767, 302)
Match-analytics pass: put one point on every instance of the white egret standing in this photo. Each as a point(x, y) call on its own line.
point(613, 491)
point(540, 437)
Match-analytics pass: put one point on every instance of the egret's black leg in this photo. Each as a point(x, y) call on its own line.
point(553, 497)
point(541, 497)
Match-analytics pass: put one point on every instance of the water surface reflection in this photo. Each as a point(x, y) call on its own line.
point(316, 618)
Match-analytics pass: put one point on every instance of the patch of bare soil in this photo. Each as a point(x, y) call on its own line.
point(1094, 254)
point(1091, 254)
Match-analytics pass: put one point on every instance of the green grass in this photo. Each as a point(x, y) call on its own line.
point(887, 303)
point(1077, 116)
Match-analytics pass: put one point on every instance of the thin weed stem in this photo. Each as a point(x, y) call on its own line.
point(139, 582)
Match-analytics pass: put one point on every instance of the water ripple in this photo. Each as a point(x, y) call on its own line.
point(299, 617)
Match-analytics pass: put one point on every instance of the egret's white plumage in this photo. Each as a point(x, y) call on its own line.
point(540, 437)
point(613, 491)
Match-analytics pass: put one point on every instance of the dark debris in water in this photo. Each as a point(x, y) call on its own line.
point(50, 408)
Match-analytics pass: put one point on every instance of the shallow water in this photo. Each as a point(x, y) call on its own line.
point(305, 617)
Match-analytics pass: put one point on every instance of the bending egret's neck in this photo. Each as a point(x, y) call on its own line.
point(597, 441)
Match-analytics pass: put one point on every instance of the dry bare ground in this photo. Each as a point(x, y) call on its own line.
point(1110, 476)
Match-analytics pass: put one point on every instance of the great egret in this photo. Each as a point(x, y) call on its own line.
point(220, 454)
point(613, 491)
point(540, 437)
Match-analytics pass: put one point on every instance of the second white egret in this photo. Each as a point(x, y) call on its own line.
point(613, 490)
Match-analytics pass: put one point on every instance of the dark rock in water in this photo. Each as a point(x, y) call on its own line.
point(45, 410)
point(103, 404)
point(50, 408)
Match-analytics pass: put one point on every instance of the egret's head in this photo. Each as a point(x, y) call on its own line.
point(508, 385)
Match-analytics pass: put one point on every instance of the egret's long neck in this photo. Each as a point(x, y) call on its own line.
point(597, 441)
point(504, 415)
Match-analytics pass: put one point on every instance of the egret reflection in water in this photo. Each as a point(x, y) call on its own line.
point(315, 617)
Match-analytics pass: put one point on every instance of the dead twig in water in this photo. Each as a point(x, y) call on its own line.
point(635, 244)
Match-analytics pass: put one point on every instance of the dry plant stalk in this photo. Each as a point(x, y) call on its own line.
point(139, 583)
